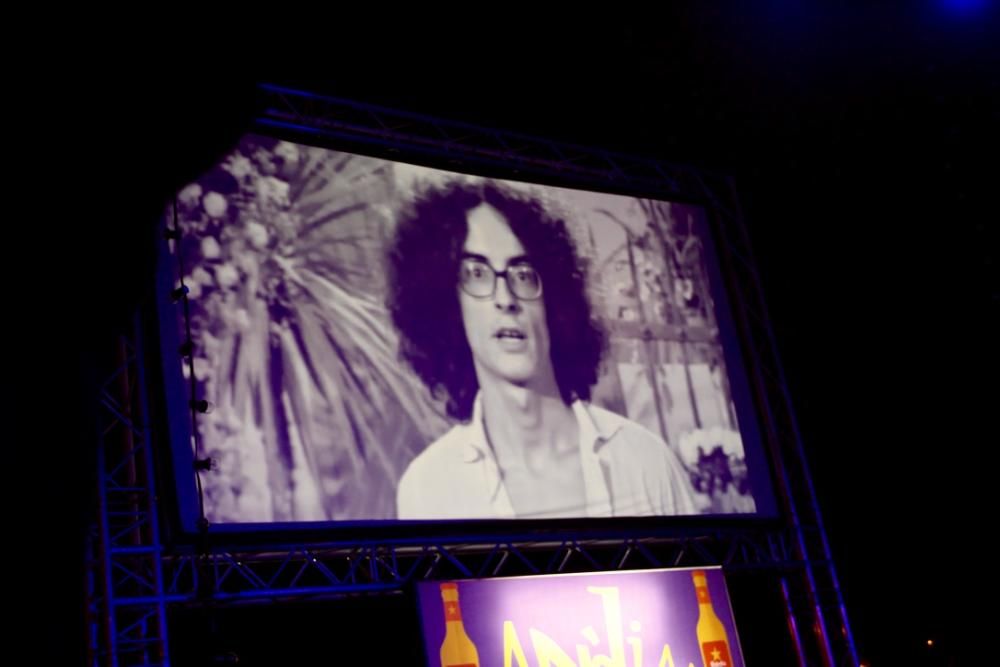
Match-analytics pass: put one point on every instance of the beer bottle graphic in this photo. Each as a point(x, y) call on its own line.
point(457, 650)
point(712, 637)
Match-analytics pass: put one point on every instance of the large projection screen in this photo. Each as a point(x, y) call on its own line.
point(379, 341)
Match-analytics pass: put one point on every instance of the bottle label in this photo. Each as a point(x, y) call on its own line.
point(462, 664)
point(716, 654)
point(702, 592)
point(452, 612)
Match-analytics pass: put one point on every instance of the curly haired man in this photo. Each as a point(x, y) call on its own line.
point(490, 300)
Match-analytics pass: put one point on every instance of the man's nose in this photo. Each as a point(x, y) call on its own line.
point(503, 298)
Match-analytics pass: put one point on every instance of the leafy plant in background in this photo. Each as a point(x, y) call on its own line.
point(716, 463)
point(281, 250)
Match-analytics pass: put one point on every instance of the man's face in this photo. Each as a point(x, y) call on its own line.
point(507, 334)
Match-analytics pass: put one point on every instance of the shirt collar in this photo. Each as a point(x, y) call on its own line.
point(477, 446)
point(595, 429)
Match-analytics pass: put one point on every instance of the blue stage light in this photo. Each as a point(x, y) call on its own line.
point(964, 6)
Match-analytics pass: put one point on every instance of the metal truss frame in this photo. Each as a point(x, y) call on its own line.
point(336, 568)
point(126, 599)
point(815, 595)
point(133, 578)
point(390, 131)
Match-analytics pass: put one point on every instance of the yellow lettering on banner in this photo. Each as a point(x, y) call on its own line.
point(666, 659)
point(636, 645)
point(583, 653)
point(548, 652)
point(590, 634)
point(512, 645)
point(613, 623)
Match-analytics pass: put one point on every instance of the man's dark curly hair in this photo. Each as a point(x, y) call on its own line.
point(423, 291)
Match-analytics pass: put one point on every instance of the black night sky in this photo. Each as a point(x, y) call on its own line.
point(863, 146)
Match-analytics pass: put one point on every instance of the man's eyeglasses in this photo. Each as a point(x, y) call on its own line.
point(478, 279)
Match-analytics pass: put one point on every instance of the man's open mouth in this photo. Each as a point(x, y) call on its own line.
point(515, 334)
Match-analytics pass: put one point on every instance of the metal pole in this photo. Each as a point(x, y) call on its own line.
point(151, 496)
point(793, 628)
point(646, 336)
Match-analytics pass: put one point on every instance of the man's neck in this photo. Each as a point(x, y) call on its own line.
point(527, 428)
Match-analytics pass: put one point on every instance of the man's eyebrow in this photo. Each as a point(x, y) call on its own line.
point(516, 259)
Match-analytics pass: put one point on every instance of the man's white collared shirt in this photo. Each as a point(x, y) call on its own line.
point(627, 471)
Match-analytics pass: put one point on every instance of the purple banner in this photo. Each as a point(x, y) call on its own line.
point(649, 618)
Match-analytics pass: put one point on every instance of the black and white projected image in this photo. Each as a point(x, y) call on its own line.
point(382, 341)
